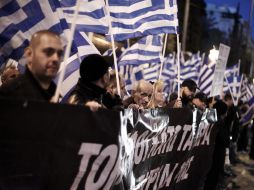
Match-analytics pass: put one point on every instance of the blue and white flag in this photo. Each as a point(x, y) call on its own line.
point(20, 19)
point(169, 73)
point(248, 116)
point(91, 16)
point(84, 48)
point(147, 50)
point(135, 18)
point(190, 68)
point(246, 91)
point(233, 70)
point(151, 72)
point(206, 78)
point(234, 84)
point(131, 75)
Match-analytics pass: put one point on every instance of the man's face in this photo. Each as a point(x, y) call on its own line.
point(143, 95)
point(112, 88)
point(200, 104)
point(44, 58)
point(229, 102)
point(187, 93)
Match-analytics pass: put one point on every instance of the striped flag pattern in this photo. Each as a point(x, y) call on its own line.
point(248, 116)
point(20, 19)
point(135, 18)
point(146, 50)
point(206, 78)
point(91, 15)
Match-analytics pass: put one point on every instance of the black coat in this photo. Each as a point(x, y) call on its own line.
point(87, 91)
point(26, 87)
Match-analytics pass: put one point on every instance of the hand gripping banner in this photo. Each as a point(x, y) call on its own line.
point(53, 146)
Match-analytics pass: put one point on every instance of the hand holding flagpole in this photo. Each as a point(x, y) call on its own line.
point(113, 48)
point(178, 66)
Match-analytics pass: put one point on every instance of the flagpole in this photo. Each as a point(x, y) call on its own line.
point(113, 47)
point(230, 91)
point(163, 55)
point(239, 66)
point(178, 65)
point(185, 24)
point(203, 58)
point(67, 54)
point(240, 90)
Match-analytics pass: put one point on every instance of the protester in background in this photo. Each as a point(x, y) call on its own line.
point(251, 154)
point(200, 100)
point(91, 89)
point(221, 142)
point(242, 142)
point(158, 97)
point(187, 92)
point(43, 57)
point(210, 102)
point(232, 125)
point(112, 86)
point(9, 73)
point(142, 95)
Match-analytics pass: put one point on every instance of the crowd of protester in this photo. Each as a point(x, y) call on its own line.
point(97, 89)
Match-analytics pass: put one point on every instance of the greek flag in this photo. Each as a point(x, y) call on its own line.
point(206, 78)
point(131, 75)
point(20, 19)
point(234, 86)
point(135, 18)
point(233, 70)
point(151, 71)
point(91, 15)
point(190, 68)
point(169, 73)
point(84, 48)
point(248, 116)
point(146, 50)
point(246, 91)
point(230, 72)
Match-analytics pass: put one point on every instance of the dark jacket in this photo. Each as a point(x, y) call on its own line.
point(26, 87)
point(232, 123)
point(173, 98)
point(87, 91)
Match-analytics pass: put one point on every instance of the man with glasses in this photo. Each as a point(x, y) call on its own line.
point(43, 57)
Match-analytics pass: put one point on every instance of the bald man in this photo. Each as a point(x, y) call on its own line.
point(43, 57)
point(142, 95)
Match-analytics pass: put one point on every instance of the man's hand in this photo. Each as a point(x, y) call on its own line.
point(94, 106)
point(178, 103)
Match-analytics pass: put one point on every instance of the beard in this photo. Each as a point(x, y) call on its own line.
point(186, 99)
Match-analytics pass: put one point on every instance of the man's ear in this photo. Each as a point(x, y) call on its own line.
point(28, 54)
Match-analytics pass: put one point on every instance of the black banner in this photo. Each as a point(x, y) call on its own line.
point(54, 146)
point(172, 148)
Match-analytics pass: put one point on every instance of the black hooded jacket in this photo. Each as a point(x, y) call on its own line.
point(87, 91)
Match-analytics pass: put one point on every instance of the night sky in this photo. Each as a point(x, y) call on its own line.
point(244, 8)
